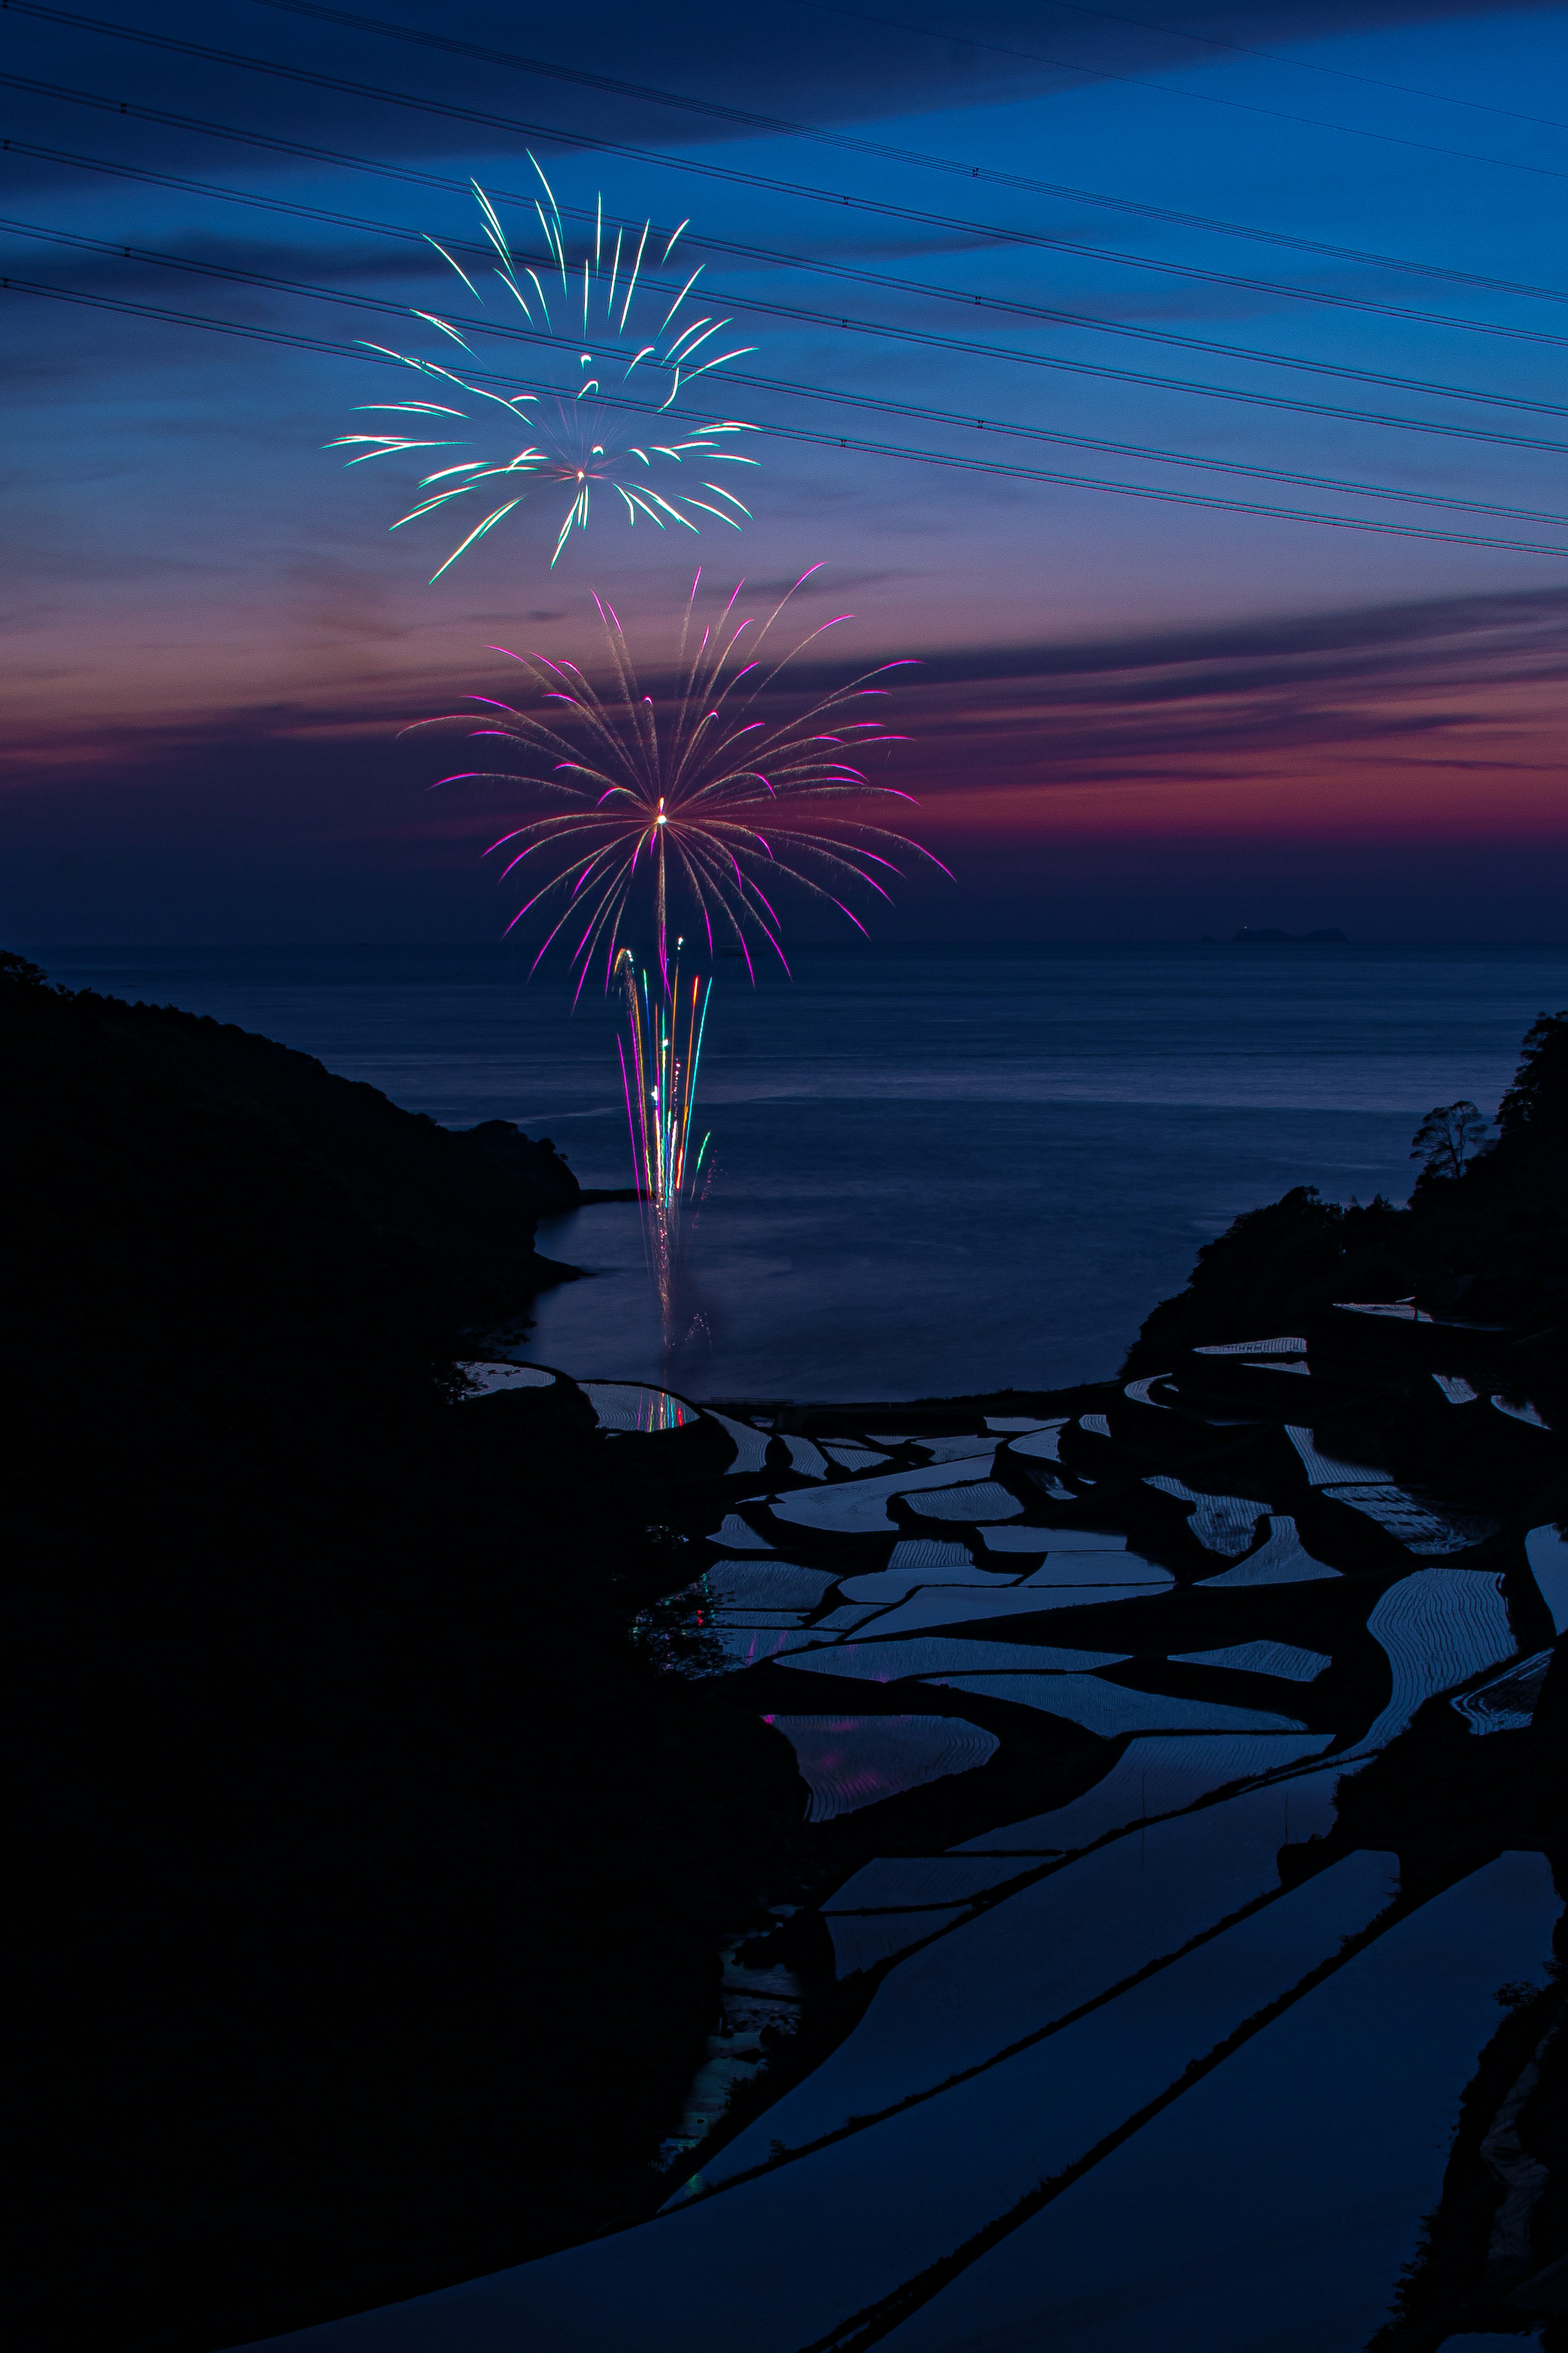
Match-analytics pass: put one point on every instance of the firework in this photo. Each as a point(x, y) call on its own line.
point(658, 1070)
point(702, 799)
point(612, 345)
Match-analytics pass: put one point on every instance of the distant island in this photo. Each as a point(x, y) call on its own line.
point(1328, 937)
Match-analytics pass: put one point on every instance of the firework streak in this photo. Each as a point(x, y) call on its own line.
point(658, 1072)
point(604, 329)
point(697, 798)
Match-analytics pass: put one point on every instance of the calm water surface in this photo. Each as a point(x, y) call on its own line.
point(932, 1169)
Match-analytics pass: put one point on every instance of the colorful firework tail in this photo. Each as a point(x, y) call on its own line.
point(614, 342)
point(658, 1070)
point(707, 798)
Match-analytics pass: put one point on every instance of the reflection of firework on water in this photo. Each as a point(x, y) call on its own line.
point(698, 794)
point(618, 348)
point(658, 1070)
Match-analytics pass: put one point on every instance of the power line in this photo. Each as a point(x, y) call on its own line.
point(1045, 314)
point(780, 126)
point(962, 346)
point(1163, 336)
point(861, 445)
point(1208, 40)
point(852, 274)
point(877, 207)
point(531, 338)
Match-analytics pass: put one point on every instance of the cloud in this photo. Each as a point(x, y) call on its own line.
point(791, 61)
point(1152, 705)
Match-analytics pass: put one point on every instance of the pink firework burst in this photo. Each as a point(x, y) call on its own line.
point(704, 800)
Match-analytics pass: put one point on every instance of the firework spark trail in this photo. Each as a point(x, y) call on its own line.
point(659, 1075)
point(576, 438)
point(699, 798)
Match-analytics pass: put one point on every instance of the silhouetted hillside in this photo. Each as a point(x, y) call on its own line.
point(1489, 1246)
point(371, 1877)
point(470, 1198)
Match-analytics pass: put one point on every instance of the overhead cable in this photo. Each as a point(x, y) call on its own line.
point(852, 274)
point(780, 126)
point(861, 445)
point(730, 175)
point(961, 346)
point(1002, 307)
point(964, 420)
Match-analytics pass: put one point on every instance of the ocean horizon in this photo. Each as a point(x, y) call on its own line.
point(934, 1169)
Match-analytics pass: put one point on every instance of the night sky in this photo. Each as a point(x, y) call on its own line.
point(1136, 717)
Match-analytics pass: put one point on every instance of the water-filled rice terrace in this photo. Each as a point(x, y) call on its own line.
point(1119, 2003)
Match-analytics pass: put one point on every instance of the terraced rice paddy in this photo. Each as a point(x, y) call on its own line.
point(739, 1535)
point(1289, 1346)
point(1041, 1446)
point(891, 1905)
point(631, 1405)
point(934, 1654)
point(1124, 1571)
point(1224, 1524)
point(765, 1585)
point(1546, 1549)
point(751, 1444)
point(861, 1507)
point(1075, 1541)
point(1059, 1988)
point(1438, 1628)
point(1154, 1774)
point(1261, 1659)
point(1280, 1559)
point(1523, 1410)
point(745, 1646)
point(924, 1555)
point(1038, 1956)
point(1358, 2081)
point(806, 1461)
point(965, 1605)
point(1114, 1709)
point(1417, 1524)
point(847, 1761)
point(487, 1377)
point(947, 1449)
point(887, 1587)
point(1506, 1702)
point(1326, 1467)
point(985, 1499)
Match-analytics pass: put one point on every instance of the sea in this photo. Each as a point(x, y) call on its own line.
point(932, 1170)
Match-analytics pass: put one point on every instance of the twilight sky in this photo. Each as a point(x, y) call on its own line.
point(1301, 255)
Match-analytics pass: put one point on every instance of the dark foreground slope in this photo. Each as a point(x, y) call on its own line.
point(470, 1201)
point(372, 1879)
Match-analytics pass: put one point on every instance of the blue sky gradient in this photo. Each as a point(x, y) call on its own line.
point(1135, 717)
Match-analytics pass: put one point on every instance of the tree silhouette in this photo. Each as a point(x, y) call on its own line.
point(1538, 1100)
point(1448, 1138)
